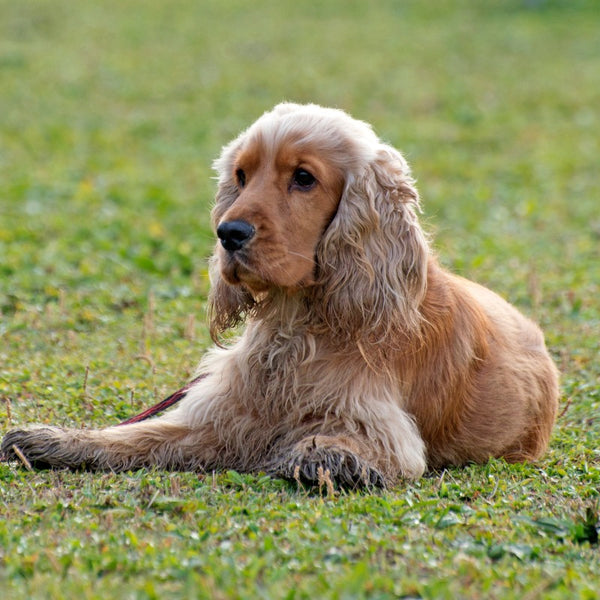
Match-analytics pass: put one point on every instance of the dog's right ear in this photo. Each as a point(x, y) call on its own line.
point(227, 190)
point(228, 304)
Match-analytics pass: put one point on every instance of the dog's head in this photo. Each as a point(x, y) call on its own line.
point(311, 201)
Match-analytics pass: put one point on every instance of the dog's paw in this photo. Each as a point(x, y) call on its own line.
point(316, 464)
point(35, 447)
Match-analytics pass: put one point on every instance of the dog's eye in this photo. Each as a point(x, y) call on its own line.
point(241, 177)
point(303, 179)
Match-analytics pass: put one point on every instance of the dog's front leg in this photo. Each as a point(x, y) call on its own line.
point(373, 444)
point(157, 443)
point(320, 459)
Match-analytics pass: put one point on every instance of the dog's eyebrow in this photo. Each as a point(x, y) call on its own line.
point(248, 158)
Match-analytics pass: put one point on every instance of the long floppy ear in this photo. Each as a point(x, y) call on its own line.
point(373, 256)
point(228, 304)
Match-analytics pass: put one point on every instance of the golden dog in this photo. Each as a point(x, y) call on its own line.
point(362, 359)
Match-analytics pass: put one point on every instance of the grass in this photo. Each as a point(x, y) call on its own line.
point(111, 115)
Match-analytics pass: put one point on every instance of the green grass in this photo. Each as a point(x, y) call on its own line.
point(111, 115)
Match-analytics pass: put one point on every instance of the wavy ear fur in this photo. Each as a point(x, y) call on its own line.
point(373, 256)
point(228, 304)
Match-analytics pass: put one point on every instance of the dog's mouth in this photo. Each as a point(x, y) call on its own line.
point(236, 270)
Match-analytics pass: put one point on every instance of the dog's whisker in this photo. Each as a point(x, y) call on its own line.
point(307, 258)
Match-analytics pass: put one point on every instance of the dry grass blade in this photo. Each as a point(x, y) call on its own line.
point(22, 457)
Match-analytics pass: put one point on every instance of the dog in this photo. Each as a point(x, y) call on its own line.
point(362, 359)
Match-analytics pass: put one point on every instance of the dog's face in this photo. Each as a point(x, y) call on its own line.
point(287, 193)
point(310, 200)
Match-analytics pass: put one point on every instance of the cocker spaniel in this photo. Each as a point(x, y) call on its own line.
point(362, 360)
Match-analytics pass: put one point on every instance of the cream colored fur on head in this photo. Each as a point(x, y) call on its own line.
point(361, 360)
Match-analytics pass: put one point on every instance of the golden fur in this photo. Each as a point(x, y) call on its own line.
point(361, 356)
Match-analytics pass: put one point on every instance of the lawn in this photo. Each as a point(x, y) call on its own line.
point(111, 113)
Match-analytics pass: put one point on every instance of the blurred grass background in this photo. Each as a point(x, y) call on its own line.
point(110, 115)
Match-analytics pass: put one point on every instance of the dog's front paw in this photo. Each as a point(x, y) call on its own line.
point(321, 461)
point(38, 447)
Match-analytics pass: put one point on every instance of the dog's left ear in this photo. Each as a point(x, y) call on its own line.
point(373, 256)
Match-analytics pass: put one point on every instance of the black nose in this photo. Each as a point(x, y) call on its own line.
point(235, 234)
